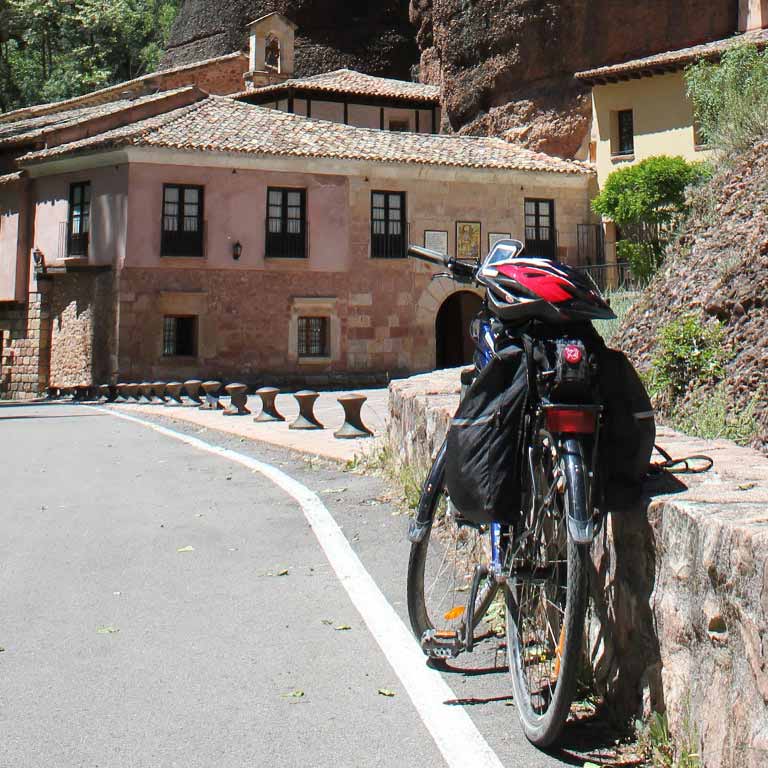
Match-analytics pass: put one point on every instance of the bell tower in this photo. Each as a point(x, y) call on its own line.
point(271, 50)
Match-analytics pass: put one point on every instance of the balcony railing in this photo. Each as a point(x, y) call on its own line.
point(184, 243)
point(72, 245)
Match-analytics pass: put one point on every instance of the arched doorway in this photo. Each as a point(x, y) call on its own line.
point(454, 344)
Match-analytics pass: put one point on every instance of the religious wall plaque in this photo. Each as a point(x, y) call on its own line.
point(468, 240)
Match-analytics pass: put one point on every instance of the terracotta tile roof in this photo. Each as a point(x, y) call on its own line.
point(347, 81)
point(112, 92)
point(11, 178)
point(672, 60)
point(36, 128)
point(220, 124)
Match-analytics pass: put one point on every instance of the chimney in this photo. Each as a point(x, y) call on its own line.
point(753, 14)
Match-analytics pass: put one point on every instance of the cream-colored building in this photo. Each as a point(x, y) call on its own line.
point(641, 108)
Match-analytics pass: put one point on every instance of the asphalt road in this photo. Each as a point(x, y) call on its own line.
point(163, 606)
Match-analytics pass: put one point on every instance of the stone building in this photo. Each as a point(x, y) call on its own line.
point(179, 234)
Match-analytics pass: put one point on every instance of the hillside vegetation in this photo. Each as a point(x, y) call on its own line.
point(700, 330)
point(55, 49)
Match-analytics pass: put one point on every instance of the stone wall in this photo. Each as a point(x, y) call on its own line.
point(81, 329)
point(678, 586)
point(25, 348)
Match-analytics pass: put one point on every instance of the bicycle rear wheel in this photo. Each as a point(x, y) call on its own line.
point(441, 568)
point(547, 594)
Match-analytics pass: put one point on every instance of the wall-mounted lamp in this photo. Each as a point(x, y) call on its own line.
point(237, 250)
point(39, 258)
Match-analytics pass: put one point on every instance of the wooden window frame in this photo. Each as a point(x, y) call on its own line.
point(284, 244)
point(304, 342)
point(538, 227)
point(178, 242)
point(620, 149)
point(387, 245)
point(78, 245)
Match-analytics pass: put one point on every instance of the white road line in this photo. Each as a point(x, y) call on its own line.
point(457, 737)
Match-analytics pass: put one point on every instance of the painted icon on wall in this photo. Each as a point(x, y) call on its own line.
point(436, 240)
point(468, 240)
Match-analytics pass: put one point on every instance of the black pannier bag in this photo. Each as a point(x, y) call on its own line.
point(628, 433)
point(485, 452)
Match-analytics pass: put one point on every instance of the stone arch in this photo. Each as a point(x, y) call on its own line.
point(432, 298)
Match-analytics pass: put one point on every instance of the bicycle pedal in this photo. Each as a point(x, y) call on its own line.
point(441, 644)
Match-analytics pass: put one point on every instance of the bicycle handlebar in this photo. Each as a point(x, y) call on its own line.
point(428, 255)
point(459, 269)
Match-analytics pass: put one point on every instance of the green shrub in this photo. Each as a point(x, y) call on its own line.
point(690, 353)
point(730, 98)
point(647, 201)
point(713, 417)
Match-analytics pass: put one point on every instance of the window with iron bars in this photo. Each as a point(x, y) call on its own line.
point(286, 223)
point(180, 336)
point(182, 220)
point(314, 337)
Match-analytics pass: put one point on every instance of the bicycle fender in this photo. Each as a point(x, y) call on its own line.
point(420, 525)
point(581, 525)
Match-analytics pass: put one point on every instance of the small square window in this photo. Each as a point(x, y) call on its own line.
point(180, 337)
point(399, 126)
point(314, 338)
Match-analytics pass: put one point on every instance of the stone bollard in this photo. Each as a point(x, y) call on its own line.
point(269, 410)
point(145, 388)
point(353, 424)
point(192, 388)
point(105, 394)
point(132, 392)
point(122, 393)
point(239, 397)
point(212, 390)
point(158, 392)
point(306, 418)
point(173, 390)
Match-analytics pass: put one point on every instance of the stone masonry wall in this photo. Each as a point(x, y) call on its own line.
point(25, 352)
point(678, 585)
point(81, 319)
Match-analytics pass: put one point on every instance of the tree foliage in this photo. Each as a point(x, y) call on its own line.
point(646, 201)
point(56, 49)
point(730, 98)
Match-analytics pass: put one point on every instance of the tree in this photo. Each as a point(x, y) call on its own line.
point(730, 98)
point(55, 49)
point(647, 201)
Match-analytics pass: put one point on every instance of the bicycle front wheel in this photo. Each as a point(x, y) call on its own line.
point(547, 593)
point(441, 567)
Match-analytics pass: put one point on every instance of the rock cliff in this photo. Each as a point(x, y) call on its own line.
point(374, 36)
point(506, 66)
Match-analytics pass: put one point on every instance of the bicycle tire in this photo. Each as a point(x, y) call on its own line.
point(445, 533)
point(543, 728)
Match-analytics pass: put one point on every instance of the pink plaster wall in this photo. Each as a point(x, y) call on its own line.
point(109, 188)
point(235, 210)
point(9, 234)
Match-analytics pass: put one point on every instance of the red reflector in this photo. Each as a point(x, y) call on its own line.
point(571, 421)
point(572, 354)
